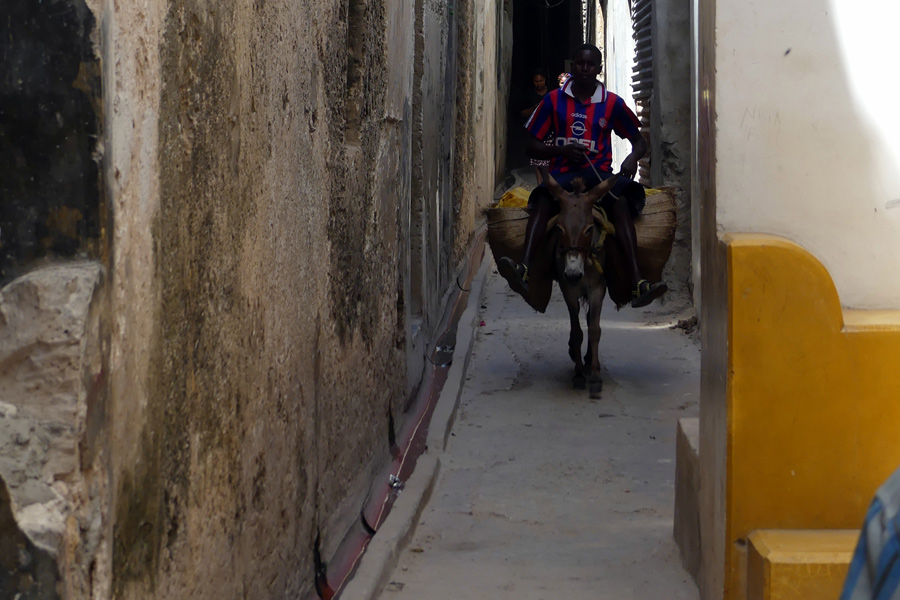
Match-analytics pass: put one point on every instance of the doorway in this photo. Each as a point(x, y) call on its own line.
point(545, 33)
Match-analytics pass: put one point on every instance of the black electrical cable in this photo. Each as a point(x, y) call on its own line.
point(546, 3)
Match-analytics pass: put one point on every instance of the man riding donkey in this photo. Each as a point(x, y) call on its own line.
point(584, 115)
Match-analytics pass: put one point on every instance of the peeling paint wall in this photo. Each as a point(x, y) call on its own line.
point(291, 186)
point(277, 349)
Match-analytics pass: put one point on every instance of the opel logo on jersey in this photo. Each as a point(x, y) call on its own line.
point(589, 145)
point(578, 128)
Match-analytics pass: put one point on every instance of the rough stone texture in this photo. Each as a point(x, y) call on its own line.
point(272, 355)
point(263, 162)
point(26, 570)
point(49, 357)
point(484, 40)
point(465, 140)
point(272, 315)
point(432, 202)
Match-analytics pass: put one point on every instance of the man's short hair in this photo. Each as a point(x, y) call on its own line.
point(598, 55)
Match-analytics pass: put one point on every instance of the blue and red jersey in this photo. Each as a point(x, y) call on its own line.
point(561, 114)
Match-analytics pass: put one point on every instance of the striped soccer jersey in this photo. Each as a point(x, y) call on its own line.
point(590, 124)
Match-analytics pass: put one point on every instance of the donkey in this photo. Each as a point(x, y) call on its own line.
point(578, 259)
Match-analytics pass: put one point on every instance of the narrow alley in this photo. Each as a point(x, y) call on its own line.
point(254, 345)
point(544, 493)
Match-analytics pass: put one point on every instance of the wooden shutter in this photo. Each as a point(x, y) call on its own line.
point(642, 79)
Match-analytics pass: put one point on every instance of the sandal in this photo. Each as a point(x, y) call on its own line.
point(516, 275)
point(645, 293)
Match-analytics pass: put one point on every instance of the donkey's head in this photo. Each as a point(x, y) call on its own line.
point(576, 224)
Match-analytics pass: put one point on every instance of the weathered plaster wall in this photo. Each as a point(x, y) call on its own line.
point(285, 182)
point(484, 43)
point(432, 202)
point(273, 347)
point(464, 143)
point(493, 50)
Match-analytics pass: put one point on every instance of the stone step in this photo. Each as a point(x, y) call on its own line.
point(798, 564)
point(687, 494)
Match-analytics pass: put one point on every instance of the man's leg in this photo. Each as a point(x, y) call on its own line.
point(643, 292)
point(543, 207)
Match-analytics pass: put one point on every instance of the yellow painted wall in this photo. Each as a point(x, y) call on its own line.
point(793, 135)
point(811, 398)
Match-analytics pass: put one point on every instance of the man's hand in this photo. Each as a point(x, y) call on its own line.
point(574, 153)
point(629, 166)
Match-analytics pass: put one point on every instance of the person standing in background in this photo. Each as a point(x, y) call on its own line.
point(533, 99)
point(535, 93)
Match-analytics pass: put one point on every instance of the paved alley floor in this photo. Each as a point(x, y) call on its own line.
point(544, 493)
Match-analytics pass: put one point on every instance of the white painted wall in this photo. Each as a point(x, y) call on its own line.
point(619, 64)
point(808, 139)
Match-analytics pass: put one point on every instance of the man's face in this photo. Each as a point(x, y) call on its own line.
point(585, 67)
point(538, 81)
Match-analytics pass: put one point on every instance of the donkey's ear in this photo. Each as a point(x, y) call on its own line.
point(554, 188)
point(600, 190)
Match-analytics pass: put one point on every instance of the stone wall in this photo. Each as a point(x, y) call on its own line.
point(51, 371)
point(284, 182)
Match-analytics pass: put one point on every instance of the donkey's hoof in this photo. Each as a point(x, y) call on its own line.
point(578, 381)
point(596, 388)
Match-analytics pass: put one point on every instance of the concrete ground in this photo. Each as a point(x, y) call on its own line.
point(544, 493)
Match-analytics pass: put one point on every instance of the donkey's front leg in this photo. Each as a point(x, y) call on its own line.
point(594, 340)
point(576, 337)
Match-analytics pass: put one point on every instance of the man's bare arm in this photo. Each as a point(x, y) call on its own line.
point(638, 150)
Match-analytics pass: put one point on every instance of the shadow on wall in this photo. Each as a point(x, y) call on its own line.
point(49, 102)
